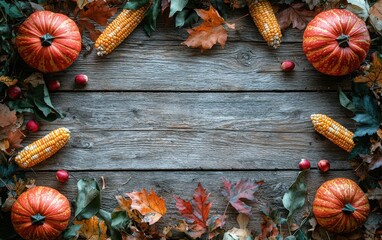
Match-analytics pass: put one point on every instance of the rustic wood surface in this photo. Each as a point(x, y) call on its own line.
point(159, 115)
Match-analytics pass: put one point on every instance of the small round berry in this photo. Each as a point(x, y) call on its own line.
point(287, 66)
point(304, 164)
point(81, 79)
point(32, 126)
point(14, 92)
point(54, 85)
point(323, 165)
point(62, 176)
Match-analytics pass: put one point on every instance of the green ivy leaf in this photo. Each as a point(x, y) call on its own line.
point(176, 6)
point(151, 17)
point(295, 197)
point(88, 200)
point(135, 4)
point(362, 146)
point(345, 101)
point(108, 218)
point(120, 221)
point(70, 232)
point(186, 17)
point(12, 10)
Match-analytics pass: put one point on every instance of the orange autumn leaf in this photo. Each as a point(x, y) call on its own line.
point(149, 205)
point(98, 11)
point(213, 30)
point(92, 228)
point(373, 77)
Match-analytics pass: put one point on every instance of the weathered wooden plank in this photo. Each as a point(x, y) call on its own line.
point(259, 112)
point(168, 66)
point(167, 184)
point(117, 149)
point(193, 130)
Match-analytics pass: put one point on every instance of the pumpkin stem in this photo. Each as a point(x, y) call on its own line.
point(348, 209)
point(343, 40)
point(37, 219)
point(46, 40)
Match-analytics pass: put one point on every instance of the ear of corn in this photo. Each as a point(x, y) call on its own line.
point(266, 21)
point(43, 148)
point(333, 131)
point(118, 30)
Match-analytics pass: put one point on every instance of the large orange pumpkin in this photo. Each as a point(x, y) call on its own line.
point(41, 213)
point(336, 42)
point(340, 205)
point(49, 42)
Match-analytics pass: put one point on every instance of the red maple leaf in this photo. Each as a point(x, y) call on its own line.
point(197, 212)
point(244, 189)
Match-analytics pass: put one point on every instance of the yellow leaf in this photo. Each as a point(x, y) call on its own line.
point(92, 228)
point(373, 77)
point(4, 145)
point(149, 205)
point(8, 81)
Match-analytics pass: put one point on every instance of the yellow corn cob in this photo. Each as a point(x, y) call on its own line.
point(43, 148)
point(333, 131)
point(118, 30)
point(265, 20)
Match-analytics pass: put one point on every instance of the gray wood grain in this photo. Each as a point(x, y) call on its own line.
point(167, 184)
point(193, 130)
point(161, 63)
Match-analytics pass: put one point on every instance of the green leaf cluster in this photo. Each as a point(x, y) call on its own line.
point(37, 102)
point(365, 107)
point(12, 14)
point(88, 204)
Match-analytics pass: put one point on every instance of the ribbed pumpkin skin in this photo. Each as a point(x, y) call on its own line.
point(65, 46)
point(331, 197)
point(323, 50)
point(47, 202)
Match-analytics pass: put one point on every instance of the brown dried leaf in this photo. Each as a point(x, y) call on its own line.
point(86, 25)
point(373, 77)
point(149, 205)
point(296, 15)
point(7, 117)
point(98, 11)
point(15, 137)
point(4, 145)
point(210, 32)
point(8, 203)
point(8, 81)
point(35, 79)
point(92, 228)
point(82, 3)
point(376, 16)
point(125, 204)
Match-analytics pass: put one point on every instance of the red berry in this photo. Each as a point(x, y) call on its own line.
point(81, 79)
point(54, 85)
point(323, 165)
point(62, 176)
point(14, 92)
point(304, 164)
point(287, 66)
point(32, 126)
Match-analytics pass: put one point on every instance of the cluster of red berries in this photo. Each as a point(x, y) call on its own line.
point(323, 165)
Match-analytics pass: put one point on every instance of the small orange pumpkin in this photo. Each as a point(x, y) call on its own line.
point(41, 213)
point(336, 42)
point(340, 205)
point(48, 41)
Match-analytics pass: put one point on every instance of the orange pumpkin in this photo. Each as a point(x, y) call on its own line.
point(41, 213)
point(336, 42)
point(49, 42)
point(340, 205)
